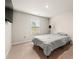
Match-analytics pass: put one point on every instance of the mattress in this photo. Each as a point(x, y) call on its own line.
point(49, 42)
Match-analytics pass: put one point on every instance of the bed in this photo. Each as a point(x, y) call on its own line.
point(49, 42)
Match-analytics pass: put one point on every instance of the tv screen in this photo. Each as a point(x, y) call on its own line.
point(8, 11)
point(8, 14)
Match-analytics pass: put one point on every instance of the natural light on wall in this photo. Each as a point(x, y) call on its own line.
point(35, 26)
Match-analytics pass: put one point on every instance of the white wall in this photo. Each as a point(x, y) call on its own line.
point(63, 23)
point(8, 33)
point(44, 23)
point(22, 26)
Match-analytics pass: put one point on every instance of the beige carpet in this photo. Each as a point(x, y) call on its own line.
point(29, 51)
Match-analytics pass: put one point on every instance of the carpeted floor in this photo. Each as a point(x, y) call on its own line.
point(29, 51)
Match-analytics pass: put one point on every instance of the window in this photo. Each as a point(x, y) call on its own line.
point(35, 26)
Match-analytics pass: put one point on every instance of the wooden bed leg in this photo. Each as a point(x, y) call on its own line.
point(47, 57)
point(38, 48)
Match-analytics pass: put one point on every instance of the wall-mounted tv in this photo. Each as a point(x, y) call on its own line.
point(8, 11)
point(9, 14)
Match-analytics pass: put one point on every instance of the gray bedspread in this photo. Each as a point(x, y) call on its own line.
point(50, 42)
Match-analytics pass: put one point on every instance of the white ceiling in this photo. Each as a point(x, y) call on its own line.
point(38, 7)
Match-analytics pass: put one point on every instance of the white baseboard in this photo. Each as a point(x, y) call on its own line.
point(20, 42)
point(7, 52)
